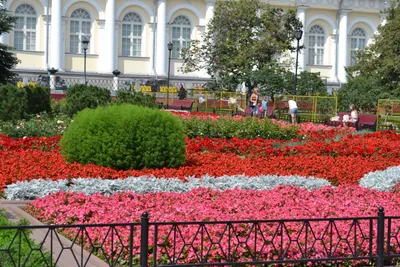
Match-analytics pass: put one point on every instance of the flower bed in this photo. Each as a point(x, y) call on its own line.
point(211, 205)
point(341, 162)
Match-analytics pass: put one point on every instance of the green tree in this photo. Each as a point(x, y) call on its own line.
point(310, 83)
point(273, 80)
point(7, 58)
point(381, 59)
point(363, 92)
point(243, 36)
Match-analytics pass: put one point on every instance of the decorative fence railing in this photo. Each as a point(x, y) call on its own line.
point(361, 240)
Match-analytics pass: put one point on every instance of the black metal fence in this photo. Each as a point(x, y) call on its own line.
point(361, 240)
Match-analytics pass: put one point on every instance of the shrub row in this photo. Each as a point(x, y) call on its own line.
point(247, 128)
point(82, 96)
point(29, 190)
point(16, 103)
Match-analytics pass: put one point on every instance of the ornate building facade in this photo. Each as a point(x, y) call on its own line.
point(132, 35)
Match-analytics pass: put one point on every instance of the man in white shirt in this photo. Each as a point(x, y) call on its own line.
point(293, 110)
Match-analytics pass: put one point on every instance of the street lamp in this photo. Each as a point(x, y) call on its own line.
point(170, 46)
point(297, 34)
point(85, 45)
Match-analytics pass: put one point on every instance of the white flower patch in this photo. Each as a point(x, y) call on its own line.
point(382, 180)
point(29, 190)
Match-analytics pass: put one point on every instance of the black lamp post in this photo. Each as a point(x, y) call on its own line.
point(298, 34)
point(170, 46)
point(85, 45)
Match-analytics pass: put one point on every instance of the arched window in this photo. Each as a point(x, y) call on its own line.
point(132, 28)
point(316, 43)
point(358, 41)
point(181, 31)
point(79, 30)
point(25, 28)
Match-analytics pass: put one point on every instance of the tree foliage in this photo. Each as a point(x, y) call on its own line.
point(7, 59)
point(310, 83)
point(243, 36)
point(363, 92)
point(381, 60)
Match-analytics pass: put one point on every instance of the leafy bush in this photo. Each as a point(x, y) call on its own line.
point(13, 102)
point(38, 125)
point(125, 137)
point(82, 96)
point(38, 99)
point(136, 98)
point(58, 106)
point(245, 128)
point(18, 247)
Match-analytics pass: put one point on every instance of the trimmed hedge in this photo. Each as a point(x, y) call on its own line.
point(125, 137)
point(81, 96)
point(136, 98)
point(38, 99)
point(13, 102)
point(248, 128)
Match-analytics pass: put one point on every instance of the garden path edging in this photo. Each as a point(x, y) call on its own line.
point(66, 259)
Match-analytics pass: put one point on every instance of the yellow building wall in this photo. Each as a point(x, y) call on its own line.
point(30, 60)
point(76, 63)
point(325, 71)
point(134, 65)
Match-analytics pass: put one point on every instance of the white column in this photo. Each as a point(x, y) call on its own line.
point(161, 58)
point(209, 11)
point(47, 40)
point(106, 55)
point(333, 55)
point(301, 15)
point(383, 18)
point(56, 37)
point(342, 59)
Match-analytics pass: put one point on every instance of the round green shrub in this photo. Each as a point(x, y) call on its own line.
point(38, 99)
point(125, 137)
point(81, 96)
point(13, 102)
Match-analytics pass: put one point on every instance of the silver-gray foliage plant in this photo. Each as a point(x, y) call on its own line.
point(29, 190)
point(382, 180)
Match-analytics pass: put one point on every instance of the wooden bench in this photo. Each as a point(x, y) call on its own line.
point(182, 104)
point(365, 121)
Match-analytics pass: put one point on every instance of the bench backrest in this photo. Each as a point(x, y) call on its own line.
point(369, 119)
point(182, 103)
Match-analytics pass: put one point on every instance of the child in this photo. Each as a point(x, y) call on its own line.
point(264, 104)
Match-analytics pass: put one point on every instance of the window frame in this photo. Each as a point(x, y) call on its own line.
point(317, 57)
point(353, 51)
point(180, 42)
point(80, 34)
point(131, 36)
point(24, 30)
